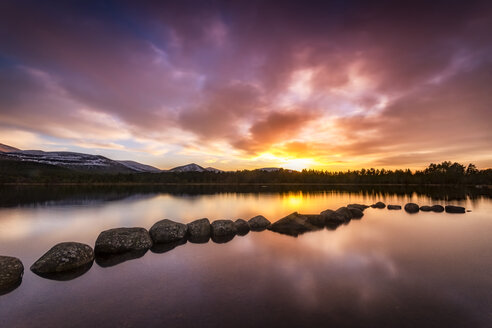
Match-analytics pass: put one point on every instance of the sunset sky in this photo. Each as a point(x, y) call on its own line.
point(329, 85)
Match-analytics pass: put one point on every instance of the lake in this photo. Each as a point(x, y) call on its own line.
point(389, 269)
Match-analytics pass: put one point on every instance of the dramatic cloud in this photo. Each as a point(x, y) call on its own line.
point(244, 84)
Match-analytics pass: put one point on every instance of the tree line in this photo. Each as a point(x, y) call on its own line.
point(445, 173)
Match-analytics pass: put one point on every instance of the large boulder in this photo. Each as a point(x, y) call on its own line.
point(293, 224)
point(317, 220)
point(11, 272)
point(221, 228)
point(258, 223)
point(437, 208)
point(454, 209)
point(121, 240)
point(242, 227)
point(167, 231)
point(356, 213)
point(63, 257)
point(199, 231)
point(425, 208)
point(378, 205)
point(332, 219)
point(359, 206)
point(345, 212)
point(394, 207)
point(411, 208)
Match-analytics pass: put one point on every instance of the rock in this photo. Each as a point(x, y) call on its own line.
point(258, 223)
point(437, 208)
point(425, 208)
point(242, 227)
point(411, 208)
point(378, 205)
point(359, 206)
point(356, 213)
point(11, 272)
point(394, 207)
point(317, 220)
point(332, 216)
point(222, 239)
point(121, 240)
point(167, 231)
point(454, 209)
point(221, 228)
point(345, 212)
point(199, 231)
point(293, 224)
point(163, 248)
point(109, 260)
point(64, 257)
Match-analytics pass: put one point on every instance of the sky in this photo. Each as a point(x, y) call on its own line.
point(330, 85)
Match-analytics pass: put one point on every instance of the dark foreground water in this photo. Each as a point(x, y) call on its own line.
point(390, 269)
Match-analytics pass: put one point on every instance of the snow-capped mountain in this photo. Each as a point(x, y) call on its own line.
point(140, 167)
point(194, 168)
point(7, 149)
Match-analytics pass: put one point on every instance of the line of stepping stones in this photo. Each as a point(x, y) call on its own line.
point(68, 260)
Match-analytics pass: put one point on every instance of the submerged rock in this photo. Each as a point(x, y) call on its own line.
point(394, 207)
point(356, 213)
point(106, 260)
point(199, 231)
point(333, 217)
point(167, 231)
point(221, 228)
point(63, 257)
point(293, 224)
point(378, 205)
point(437, 208)
point(425, 208)
point(317, 220)
point(258, 223)
point(242, 227)
point(163, 248)
point(11, 272)
point(411, 208)
point(222, 239)
point(345, 212)
point(454, 209)
point(121, 240)
point(359, 206)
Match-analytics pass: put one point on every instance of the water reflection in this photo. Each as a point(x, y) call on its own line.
point(67, 275)
point(389, 269)
point(109, 260)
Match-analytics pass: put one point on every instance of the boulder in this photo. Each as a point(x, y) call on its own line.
point(293, 224)
point(356, 213)
point(411, 208)
point(121, 240)
point(317, 220)
point(359, 206)
point(11, 272)
point(242, 227)
point(345, 212)
point(378, 205)
point(333, 219)
point(454, 209)
point(62, 257)
point(167, 231)
point(258, 223)
point(425, 208)
point(221, 228)
point(437, 208)
point(199, 231)
point(394, 207)
point(106, 260)
point(332, 216)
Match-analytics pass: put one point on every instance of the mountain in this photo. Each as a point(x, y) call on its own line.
point(139, 167)
point(7, 149)
point(194, 168)
point(270, 169)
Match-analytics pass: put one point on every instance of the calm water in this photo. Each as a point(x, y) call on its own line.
point(390, 269)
